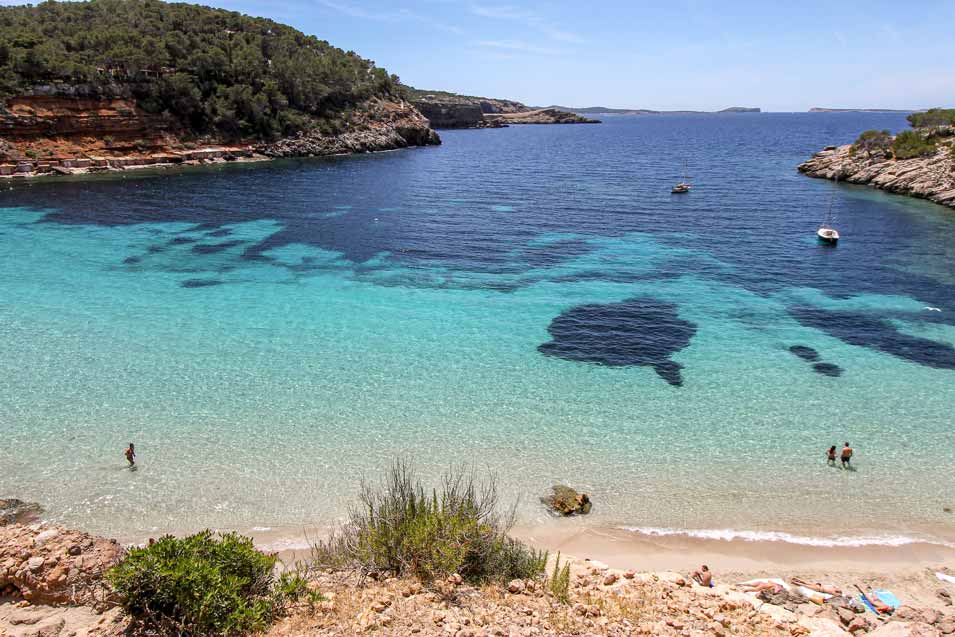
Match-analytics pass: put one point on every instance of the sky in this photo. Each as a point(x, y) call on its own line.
point(680, 54)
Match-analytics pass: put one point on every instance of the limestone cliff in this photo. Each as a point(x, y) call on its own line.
point(931, 177)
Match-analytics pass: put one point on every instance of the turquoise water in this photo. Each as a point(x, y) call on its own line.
point(269, 335)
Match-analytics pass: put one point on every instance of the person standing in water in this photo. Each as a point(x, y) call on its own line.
point(846, 456)
point(831, 456)
point(131, 455)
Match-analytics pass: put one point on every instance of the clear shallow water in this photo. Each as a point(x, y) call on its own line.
point(267, 335)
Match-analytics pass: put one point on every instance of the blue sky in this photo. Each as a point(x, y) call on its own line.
point(682, 54)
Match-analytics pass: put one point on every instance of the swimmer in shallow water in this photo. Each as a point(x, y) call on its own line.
point(831, 456)
point(131, 455)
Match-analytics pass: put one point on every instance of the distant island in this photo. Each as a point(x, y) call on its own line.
point(818, 109)
point(198, 85)
point(603, 110)
point(451, 110)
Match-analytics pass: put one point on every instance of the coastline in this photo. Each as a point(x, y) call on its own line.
point(623, 549)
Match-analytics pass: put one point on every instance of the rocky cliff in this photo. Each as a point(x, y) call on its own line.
point(71, 132)
point(931, 177)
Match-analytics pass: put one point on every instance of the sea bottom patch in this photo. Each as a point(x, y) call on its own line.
point(878, 334)
point(642, 331)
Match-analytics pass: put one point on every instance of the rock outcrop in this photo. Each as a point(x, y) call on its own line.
point(51, 565)
point(13, 511)
point(931, 178)
point(567, 501)
point(542, 116)
point(448, 110)
point(379, 125)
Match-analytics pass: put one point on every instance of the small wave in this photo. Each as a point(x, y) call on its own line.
point(284, 544)
point(729, 535)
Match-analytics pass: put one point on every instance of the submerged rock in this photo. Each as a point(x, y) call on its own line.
point(14, 511)
point(567, 501)
point(641, 331)
point(805, 353)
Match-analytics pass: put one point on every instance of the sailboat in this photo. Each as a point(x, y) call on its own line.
point(683, 186)
point(827, 232)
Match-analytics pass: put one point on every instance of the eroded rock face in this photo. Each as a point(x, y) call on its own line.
point(567, 501)
point(52, 565)
point(931, 178)
point(379, 125)
point(13, 511)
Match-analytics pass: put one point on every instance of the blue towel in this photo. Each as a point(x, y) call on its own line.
point(888, 598)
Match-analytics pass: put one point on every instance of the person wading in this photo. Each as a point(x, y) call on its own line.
point(846, 456)
point(131, 455)
point(831, 456)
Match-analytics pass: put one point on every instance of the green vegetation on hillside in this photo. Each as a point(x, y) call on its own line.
point(214, 70)
point(910, 143)
point(873, 141)
point(933, 117)
point(203, 585)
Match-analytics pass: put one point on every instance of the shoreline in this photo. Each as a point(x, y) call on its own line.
point(622, 549)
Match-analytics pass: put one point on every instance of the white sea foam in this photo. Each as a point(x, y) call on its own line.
point(728, 535)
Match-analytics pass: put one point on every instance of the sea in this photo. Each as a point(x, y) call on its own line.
point(529, 303)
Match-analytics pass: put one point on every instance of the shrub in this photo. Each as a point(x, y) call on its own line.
point(909, 144)
point(559, 582)
point(202, 584)
point(32, 154)
point(400, 528)
point(873, 141)
point(933, 117)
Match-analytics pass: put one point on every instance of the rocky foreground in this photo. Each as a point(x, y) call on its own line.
point(51, 586)
point(931, 178)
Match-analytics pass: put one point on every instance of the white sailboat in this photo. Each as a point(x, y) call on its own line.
point(827, 232)
point(683, 186)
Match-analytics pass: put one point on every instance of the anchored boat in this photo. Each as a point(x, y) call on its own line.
point(683, 186)
point(827, 232)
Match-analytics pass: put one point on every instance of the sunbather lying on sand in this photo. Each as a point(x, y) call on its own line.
point(879, 605)
point(757, 587)
point(828, 589)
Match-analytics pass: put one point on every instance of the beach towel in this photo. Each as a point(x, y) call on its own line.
point(808, 592)
point(945, 578)
point(886, 597)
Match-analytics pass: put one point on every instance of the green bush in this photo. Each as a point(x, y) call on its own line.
point(873, 141)
point(933, 117)
point(909, 144)
point(203, 584)
point(559, 582)
point(401, 528)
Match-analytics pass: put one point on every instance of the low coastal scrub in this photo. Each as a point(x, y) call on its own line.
point(873, 142)
point(933, 117)
point(558, 584)
point(909, 144)
point(204, 584)
point(402, 528)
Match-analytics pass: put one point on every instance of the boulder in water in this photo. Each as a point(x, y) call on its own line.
point(567, 501)
point(14, 511)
